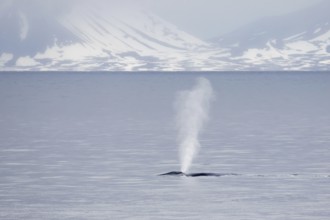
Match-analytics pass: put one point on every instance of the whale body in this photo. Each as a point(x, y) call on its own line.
point(179, 173)
point(173, 173)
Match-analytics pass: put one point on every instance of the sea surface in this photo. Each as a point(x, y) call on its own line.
point(91, 145)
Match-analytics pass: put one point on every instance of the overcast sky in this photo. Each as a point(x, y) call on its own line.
point(202, 18)
point(211, 18)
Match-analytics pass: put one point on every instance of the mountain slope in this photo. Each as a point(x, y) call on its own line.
point(297, 41)
point(95, 38)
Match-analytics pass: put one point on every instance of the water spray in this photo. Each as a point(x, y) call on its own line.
point(192, 108)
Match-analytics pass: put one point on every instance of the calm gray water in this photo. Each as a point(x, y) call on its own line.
point(90, 146)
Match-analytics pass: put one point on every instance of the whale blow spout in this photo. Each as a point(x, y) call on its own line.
point(192, 107)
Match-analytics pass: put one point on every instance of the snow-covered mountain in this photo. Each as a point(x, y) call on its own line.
point(296, 41)
point(95, 37)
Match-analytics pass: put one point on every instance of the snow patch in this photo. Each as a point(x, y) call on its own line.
point(70, 52)
point(5, 58)
point(323, 38)
point(26, 62)
point(325, 62)
point(295, 37)
point(267, 53)
point(317, 30)
point(302, 47)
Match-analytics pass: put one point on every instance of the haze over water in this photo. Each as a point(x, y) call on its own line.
point(91, 146)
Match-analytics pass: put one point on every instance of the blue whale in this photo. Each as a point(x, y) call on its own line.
point(179, 173)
